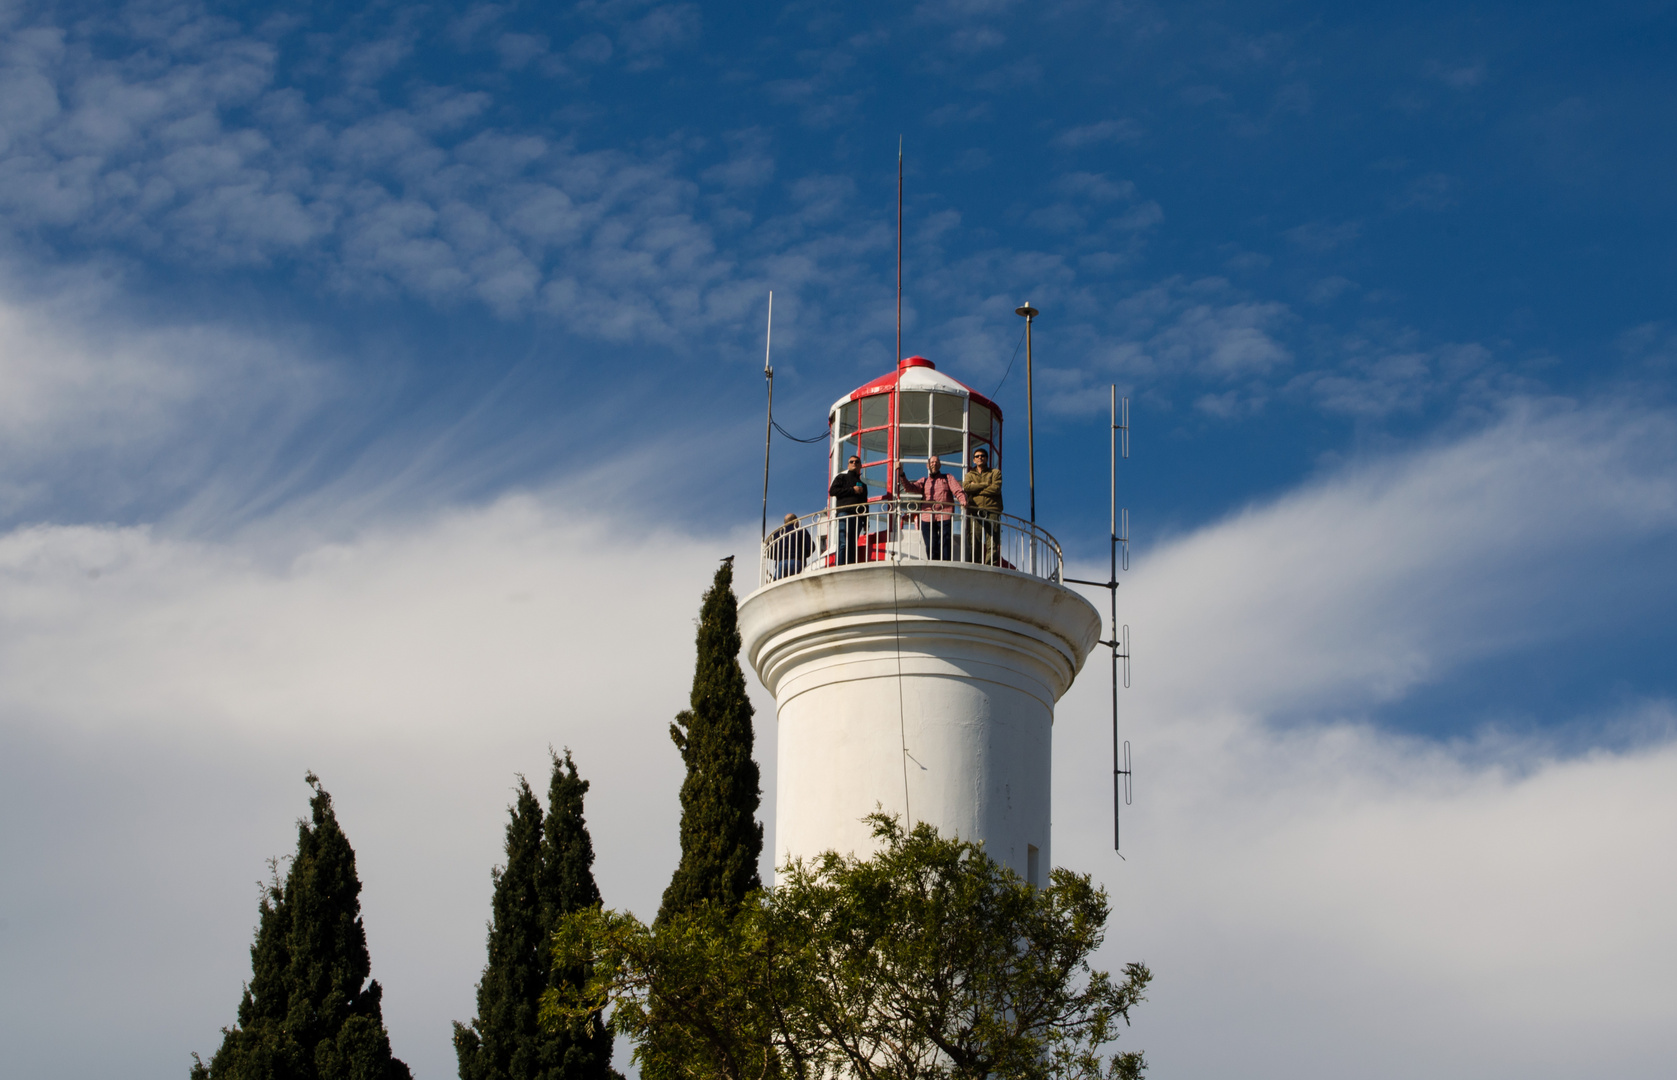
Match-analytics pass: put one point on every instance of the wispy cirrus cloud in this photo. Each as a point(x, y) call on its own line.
point(107, 417)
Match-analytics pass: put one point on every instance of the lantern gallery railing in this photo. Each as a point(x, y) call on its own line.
point(909, 531)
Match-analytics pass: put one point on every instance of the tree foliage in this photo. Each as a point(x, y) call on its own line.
point(308, 1012)
point(926, 961)
point(721, 839)
point(548, 874)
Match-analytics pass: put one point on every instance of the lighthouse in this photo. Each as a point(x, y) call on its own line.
point(915, 647)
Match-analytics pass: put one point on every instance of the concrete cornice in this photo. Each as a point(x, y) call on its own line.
point(957, 619)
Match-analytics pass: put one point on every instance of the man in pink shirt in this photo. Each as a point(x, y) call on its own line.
point(941, 493)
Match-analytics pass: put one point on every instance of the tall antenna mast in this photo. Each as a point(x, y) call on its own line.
point(1119, 522)
point(768, 427)
point(898, 358)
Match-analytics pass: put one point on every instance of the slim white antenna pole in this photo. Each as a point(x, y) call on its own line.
point(768, 426)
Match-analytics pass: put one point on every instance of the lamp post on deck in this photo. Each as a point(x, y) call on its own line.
point(1030, 313)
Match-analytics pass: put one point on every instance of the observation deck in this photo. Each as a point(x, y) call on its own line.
point(908, 531)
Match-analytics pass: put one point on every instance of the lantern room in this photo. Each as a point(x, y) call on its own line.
point(907, 416)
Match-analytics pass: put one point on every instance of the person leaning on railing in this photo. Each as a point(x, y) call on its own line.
point(790, 548)
point(983, 487)
point(940, 492)
point(850, 497)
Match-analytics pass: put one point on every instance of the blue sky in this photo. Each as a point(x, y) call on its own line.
point(309, 319)
point(513, 243)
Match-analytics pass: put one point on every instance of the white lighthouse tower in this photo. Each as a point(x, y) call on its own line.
point(915, 651)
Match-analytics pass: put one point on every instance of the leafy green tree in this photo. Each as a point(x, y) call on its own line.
point(721, 839)
point(548, 874)
point(926, 961)
point(308, 1012)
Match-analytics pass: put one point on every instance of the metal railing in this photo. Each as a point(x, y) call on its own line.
point(908, 530)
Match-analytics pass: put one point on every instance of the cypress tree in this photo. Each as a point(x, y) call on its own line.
point(721, 839)
point(308, 1012)
point(548, 874)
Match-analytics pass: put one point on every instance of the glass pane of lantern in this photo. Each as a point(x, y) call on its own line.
point(914, 408)
point(846, 449)
point(874, 444)
point(980, 421)
point(847, 418)
point(947, 410)
point(874, 476)
point(874, 410)
point(946, 443)
point(914, 442)
point(915, 468)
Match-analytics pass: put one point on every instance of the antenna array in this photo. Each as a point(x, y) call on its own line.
point(1119, 641)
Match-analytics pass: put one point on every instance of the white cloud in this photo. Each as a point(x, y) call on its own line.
point(1337, 901)
point(1379, 377)
point(1101, 131)
point(162, 156)
point(665, 28)
point(1094, 186)
point(1312, 892)
point(1142, 215)
point(416, 665)
point(1327, 290)
point(517, 50)
point(1357, 589)
point(1324, 236)
point(1224, 341)
point(109, 414)
point(205, 155)
point(750, 161)
point(1455, 76)
point(1320, 896)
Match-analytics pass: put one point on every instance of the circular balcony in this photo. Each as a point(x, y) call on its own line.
point(908, 530)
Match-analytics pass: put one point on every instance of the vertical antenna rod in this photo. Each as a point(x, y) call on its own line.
point(768, 426)
point(1112, 576)
point(898, 358)
point(1119, 524)
point(1030, 313)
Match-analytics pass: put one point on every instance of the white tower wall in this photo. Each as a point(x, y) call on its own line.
point(958, 664)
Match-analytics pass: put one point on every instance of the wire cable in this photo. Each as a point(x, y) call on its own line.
point(897, 633)
point(819, 438)
point(1009, 370)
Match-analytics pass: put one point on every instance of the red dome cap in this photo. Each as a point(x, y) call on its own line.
point(916, 373)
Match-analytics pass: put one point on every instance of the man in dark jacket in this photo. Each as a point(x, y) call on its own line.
point(790, 547)
point(850, 498)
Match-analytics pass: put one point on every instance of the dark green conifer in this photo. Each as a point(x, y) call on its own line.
point(720, 837)
point(548, 874)
point(309, 1012)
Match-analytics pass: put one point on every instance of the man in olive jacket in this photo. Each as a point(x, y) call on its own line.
point(983, 486)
